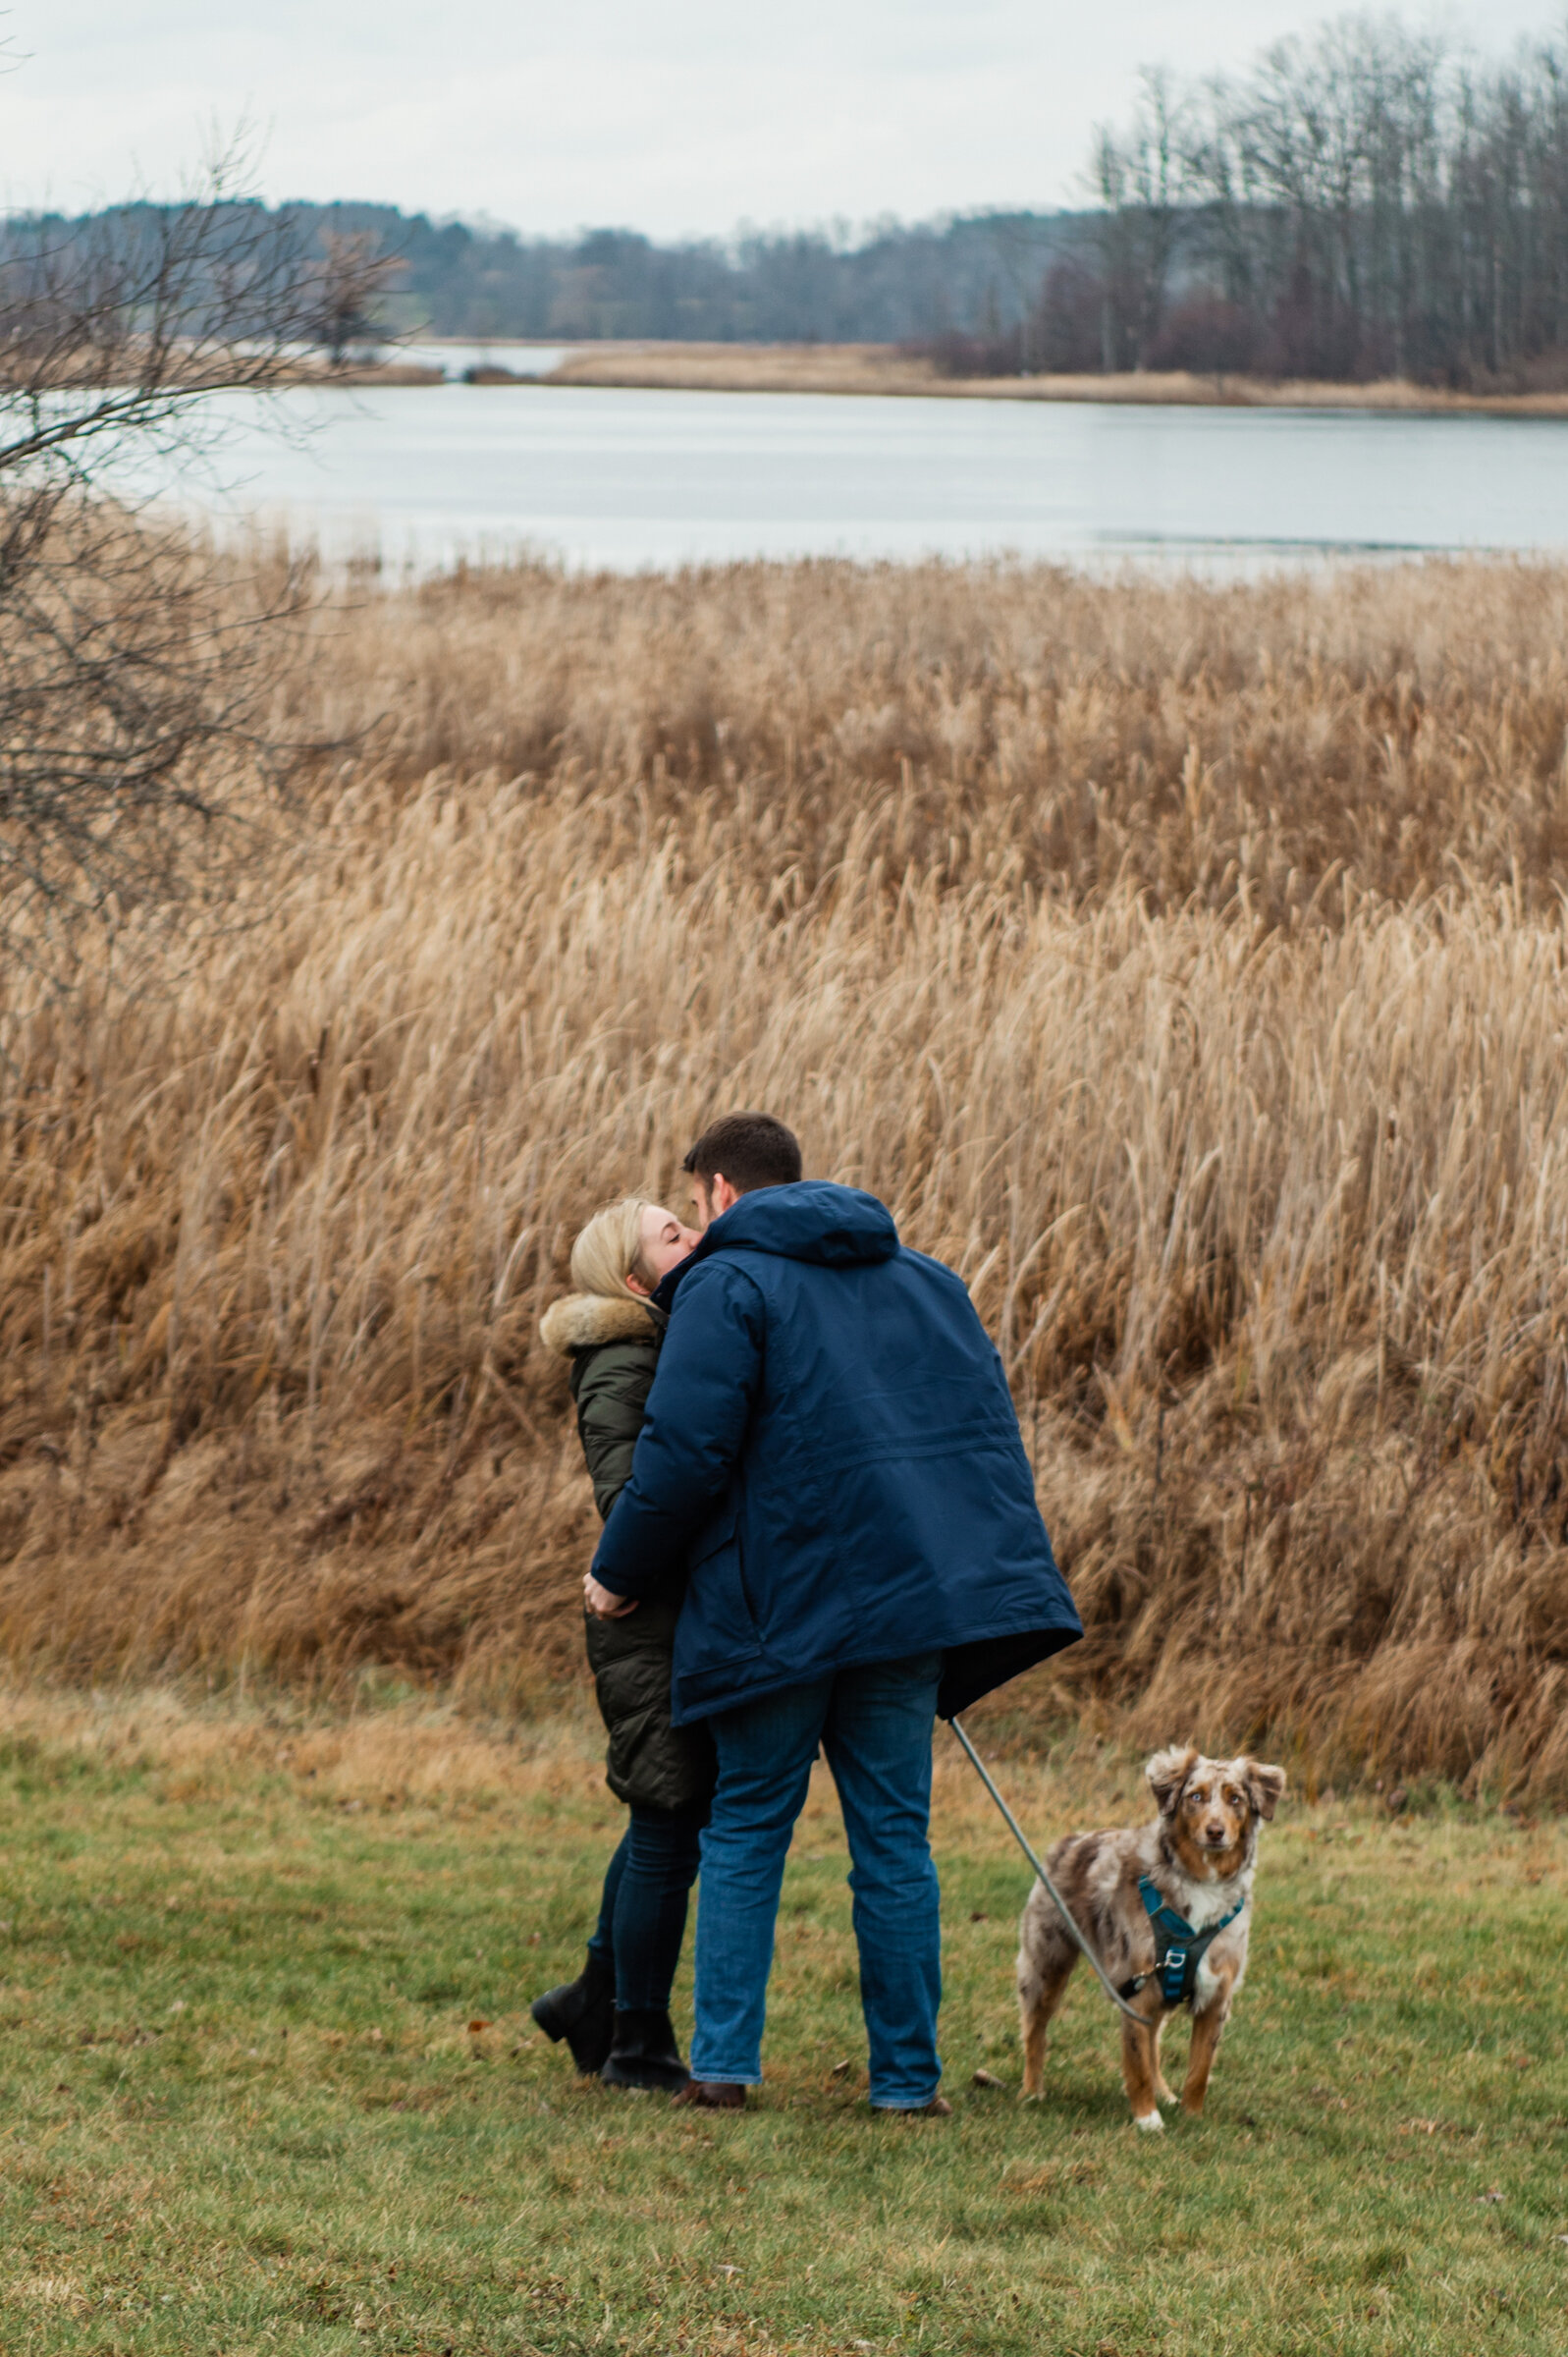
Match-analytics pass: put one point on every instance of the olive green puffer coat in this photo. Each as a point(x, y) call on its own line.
point(612, 1348)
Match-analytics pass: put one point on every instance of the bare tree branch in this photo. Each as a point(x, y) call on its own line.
point(136, 759)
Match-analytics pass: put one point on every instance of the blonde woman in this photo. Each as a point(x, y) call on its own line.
point(615, 2017)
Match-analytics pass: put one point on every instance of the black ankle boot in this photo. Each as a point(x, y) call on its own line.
point(584, 2013)
point(644, 2054)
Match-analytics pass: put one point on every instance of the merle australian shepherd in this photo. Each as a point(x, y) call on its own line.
point(1166, 1908)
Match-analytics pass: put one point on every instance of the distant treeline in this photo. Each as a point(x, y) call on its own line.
point(1366, 201)
point(1362, 203)
point(895, 285)
point(978, 277)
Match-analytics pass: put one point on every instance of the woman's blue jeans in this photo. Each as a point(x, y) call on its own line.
point(874, 1725)
point(643, 1916)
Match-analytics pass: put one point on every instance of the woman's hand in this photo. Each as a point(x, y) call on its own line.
point(602, 1602)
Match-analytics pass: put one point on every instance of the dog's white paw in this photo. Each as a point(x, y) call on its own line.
point(1150, 2122)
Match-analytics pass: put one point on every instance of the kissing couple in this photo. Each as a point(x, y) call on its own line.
point(820, 1531)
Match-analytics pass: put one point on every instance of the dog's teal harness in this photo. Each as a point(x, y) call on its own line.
point(1184, 1949)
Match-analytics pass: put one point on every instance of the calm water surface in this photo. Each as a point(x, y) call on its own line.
point(628, 479)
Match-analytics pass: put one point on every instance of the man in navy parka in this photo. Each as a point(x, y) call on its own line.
point(831, 1448)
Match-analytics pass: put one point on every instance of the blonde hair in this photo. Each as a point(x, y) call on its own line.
point(609, 1250)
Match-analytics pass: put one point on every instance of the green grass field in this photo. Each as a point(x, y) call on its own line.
point(248, 2103)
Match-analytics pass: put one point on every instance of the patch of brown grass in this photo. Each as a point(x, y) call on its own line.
point(379, 1753)
point(391, 1755)
point(748, 368)
point(887, 368)
point(1184, 966)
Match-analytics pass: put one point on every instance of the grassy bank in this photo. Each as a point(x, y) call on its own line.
point(1184, 966)
point(270, 2080)
point(885, 369)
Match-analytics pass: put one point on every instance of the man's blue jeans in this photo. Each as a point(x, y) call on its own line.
point(874, 1725)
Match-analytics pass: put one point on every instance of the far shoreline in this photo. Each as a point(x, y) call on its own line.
point(857, 371)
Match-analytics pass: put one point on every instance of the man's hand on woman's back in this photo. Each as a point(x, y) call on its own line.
point(602, 1602)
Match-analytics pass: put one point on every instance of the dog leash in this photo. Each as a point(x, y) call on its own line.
point(1063, 1908)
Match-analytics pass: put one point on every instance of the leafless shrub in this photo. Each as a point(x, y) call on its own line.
point(346, 300)
point(137, 767)
point(113, 324)
point(133, 666)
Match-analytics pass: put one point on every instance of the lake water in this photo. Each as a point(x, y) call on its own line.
point(626, 479)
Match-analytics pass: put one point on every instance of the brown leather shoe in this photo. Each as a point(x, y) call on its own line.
point(710, 2095)
point(939, 2108)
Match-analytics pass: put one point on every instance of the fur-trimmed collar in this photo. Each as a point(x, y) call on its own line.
point(582, 1321)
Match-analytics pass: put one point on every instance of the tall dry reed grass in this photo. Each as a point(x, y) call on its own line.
point(1398, 731)
point(1185, 966)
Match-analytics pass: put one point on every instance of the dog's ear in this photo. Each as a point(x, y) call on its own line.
point(1167, 1772)
point(1264, 1788)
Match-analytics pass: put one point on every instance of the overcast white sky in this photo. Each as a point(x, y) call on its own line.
point(689, 116)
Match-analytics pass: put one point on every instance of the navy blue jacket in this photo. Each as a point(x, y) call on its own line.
point(832, 1448)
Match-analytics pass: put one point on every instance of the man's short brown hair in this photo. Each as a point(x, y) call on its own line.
point(750, 1149)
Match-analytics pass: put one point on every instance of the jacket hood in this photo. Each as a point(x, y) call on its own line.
point(836, 1227)
point(582, 1321)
